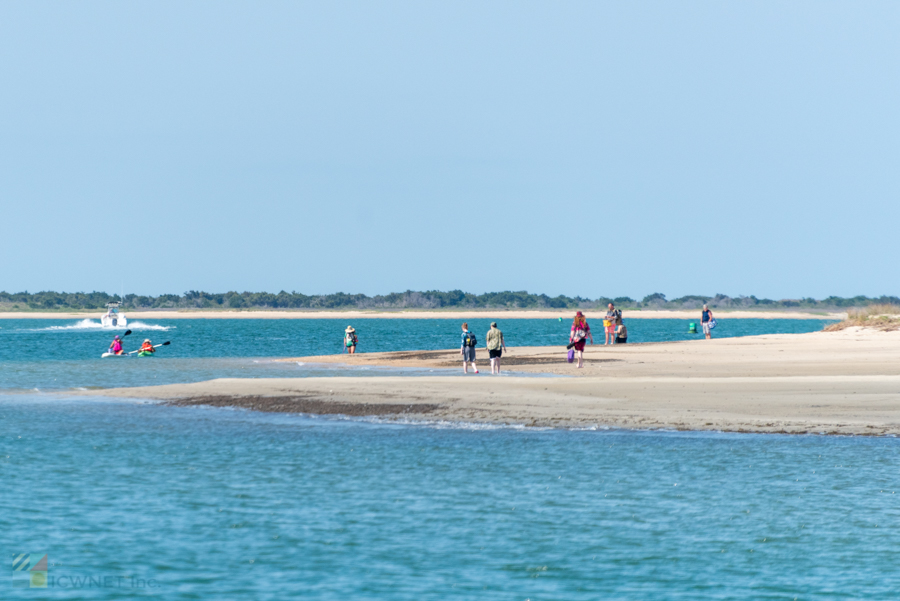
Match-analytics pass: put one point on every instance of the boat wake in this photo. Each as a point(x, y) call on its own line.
point(90, 324)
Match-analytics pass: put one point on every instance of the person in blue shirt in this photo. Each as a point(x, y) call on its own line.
point(467, 350)
point(705, 318)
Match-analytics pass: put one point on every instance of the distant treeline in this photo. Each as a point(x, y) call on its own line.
point(432, 299)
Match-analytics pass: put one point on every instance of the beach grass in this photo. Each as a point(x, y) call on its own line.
point(885, 318)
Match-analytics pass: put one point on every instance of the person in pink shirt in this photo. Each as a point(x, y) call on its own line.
point(580, 333)
point(116, 347)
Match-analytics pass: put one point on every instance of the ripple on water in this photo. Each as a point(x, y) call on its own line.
point(339, 508)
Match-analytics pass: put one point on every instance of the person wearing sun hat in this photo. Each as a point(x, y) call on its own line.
point(350, 339)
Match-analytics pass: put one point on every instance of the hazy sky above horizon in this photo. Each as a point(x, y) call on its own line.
point(567, 148)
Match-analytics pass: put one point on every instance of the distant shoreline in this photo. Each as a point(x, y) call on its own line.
point(420, 314)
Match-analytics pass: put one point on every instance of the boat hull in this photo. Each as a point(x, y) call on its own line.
point(113, 321)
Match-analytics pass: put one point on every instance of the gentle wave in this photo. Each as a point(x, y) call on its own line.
point(89, 324)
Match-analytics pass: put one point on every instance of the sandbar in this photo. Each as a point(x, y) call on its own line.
point(845, 382)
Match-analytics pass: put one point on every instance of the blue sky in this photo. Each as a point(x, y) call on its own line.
point(577, 148)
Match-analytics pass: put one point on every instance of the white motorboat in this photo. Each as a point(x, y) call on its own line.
point(112, 318)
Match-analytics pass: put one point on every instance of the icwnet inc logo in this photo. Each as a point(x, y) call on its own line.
point(29, 570)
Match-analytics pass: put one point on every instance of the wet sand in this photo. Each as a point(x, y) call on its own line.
point(295, 403)
point(844, 382)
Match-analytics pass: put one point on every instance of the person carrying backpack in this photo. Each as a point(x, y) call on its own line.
point(612, 319)
point(467, 350)
point(350, 339)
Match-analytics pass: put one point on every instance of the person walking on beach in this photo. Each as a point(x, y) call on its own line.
point(705, 318)
point(467, 350)
point(612, 319)
point(350, 339)
point(495, 347)
point(580, 332)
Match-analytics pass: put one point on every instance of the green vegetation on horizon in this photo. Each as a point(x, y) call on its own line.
point(432, 299)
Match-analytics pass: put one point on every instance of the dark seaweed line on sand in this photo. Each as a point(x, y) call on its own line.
point(301, 404)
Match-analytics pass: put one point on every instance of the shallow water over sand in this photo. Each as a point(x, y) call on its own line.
point(223, 504)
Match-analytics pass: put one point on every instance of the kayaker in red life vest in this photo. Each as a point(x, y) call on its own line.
point(116, 347)
point(147, 347)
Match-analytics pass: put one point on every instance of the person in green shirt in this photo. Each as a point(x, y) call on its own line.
point(495, 347)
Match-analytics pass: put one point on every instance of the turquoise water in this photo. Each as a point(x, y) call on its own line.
point(140, 500)
point(61, 354)
point(137, 499)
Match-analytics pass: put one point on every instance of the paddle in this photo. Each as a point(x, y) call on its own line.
point(166, 343)
point(107, 354)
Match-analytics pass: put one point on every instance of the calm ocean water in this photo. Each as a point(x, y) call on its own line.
point(60, 354)
point(135, 500)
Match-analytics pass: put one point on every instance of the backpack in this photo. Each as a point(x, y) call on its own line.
point(470, 339)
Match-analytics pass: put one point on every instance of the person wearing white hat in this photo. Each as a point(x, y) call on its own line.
point(350, 339)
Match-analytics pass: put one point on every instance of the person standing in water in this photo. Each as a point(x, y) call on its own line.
point(350, 340)
point(580, 332)
point(116, 347)
point(705, 318)
point(495, 347)
point(468, 349)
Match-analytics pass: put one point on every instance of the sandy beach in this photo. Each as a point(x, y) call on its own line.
point(845, 382)
point(461, 315)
